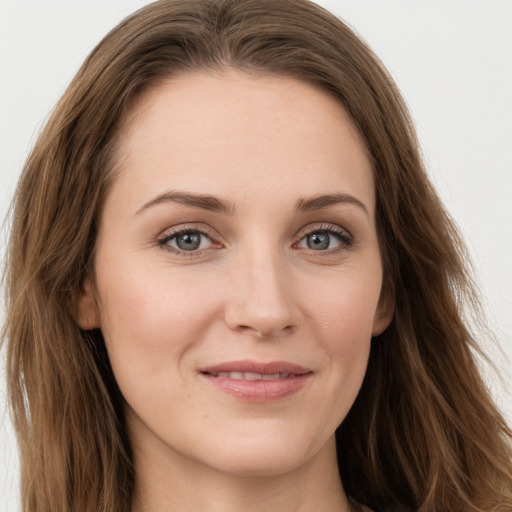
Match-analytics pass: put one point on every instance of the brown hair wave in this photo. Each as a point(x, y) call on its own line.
point(423, 434)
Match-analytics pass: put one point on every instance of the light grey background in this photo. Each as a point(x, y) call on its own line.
point(451, 59)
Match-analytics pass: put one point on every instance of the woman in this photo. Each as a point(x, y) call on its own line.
point(223, 291)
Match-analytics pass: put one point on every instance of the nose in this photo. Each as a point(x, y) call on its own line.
point(262, 301)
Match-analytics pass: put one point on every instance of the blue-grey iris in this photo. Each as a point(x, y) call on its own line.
point(188, 241)
point(318, 240)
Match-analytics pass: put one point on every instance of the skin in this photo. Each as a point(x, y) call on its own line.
point(257, 289)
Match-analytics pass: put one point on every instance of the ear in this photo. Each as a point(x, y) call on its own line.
point(88, 315)
point(384, 313)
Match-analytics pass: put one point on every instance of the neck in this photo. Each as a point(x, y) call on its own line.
point(178, 484)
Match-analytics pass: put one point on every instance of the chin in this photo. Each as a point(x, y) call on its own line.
point(255, 464)
point(262, 455)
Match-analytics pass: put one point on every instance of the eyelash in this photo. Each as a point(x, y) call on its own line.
point(344, 237)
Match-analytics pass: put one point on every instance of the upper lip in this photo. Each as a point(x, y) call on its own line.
point(269, 368)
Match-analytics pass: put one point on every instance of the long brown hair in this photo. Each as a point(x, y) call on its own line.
point(423, 434)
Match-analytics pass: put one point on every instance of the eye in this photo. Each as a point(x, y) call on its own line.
point(187, 240)
point(325, 239)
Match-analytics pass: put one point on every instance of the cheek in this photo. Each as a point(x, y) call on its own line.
point(344, 305)
point(346, 339)
point(150, 319)
point(342, 313)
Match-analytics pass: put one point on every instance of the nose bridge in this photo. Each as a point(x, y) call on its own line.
point(262, 301)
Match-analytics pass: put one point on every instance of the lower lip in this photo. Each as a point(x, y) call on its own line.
point(259, 390)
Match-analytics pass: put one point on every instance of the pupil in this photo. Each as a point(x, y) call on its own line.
point(318, 240)
point(188, 241)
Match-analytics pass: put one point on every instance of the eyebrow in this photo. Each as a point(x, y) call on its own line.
point(324, 201)
point(203, 201)
point(212, 203)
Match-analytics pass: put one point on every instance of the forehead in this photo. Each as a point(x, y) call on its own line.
point(217, 133)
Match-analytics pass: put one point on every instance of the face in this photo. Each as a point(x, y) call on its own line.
point(237, 275)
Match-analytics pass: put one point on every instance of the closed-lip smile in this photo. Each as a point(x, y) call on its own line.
point(254, 381)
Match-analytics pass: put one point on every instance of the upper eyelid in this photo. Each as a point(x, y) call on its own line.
point(334, 228)
point(172, 232)
point(207, 231)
